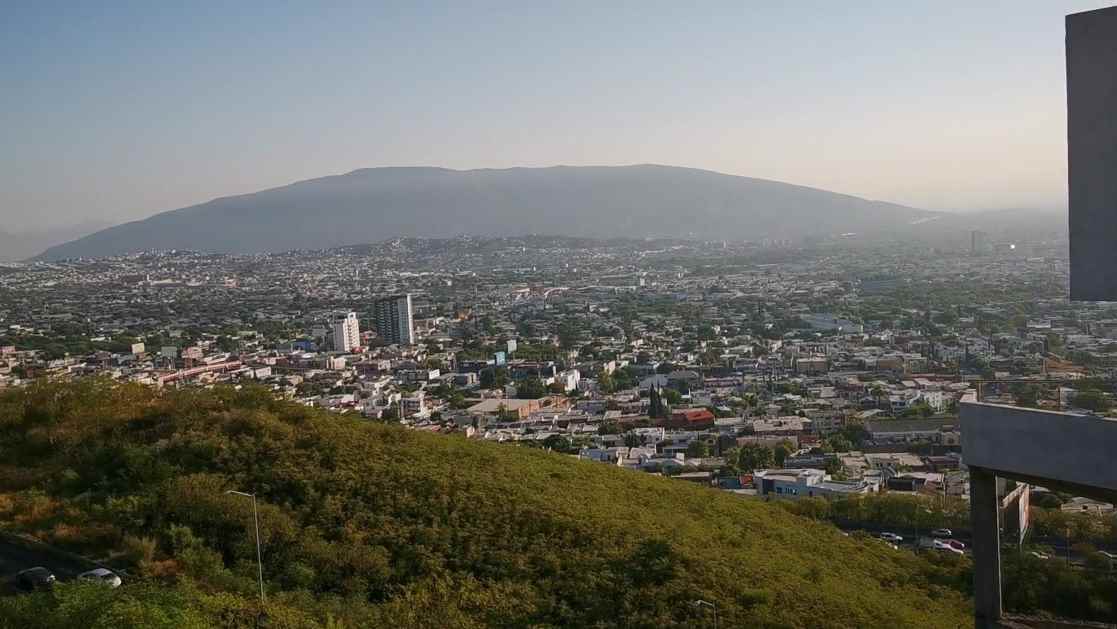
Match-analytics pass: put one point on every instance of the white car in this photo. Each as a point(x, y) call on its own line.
point(1039, 555)
point(939, 544)
point(891, 537)
point(101, 575)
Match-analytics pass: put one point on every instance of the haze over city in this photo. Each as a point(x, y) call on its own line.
point(116, 111)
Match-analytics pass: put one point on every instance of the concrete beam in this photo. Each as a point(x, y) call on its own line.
point(1032, 444)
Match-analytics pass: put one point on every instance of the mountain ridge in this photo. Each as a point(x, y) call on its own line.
point(367, 204)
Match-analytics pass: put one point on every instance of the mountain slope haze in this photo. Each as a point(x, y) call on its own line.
point(381, 203)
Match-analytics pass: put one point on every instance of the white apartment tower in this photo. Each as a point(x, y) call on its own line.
point(392, 317)
point(347, 332)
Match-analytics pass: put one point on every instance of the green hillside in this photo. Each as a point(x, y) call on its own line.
point(370, 525)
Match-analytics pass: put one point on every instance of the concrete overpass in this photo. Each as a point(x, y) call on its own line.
point(1065, 451)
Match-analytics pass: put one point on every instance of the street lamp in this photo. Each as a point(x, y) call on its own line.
point(713, 606)
point(1068, 544)
point(259, 555)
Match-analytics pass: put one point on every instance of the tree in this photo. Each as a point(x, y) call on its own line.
point(568, 334)
point(697, 449)
point(494, 378)
point(559, 443)
point(605, 382)
point(1026, 395)
point(919, 409)
point(833, 465)
point(623, 379)
point(838, 443)
point(1092, 401)
point(530, 388)
point(753, 456)
point(855, 434)
point(660, 400)
point(227, 344)
point(780, 453)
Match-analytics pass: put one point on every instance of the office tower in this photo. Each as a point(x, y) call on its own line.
point(347, 332)
point(979, 242)
point(392, 317)
point(1092, 158)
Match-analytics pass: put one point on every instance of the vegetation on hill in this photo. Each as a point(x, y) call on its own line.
point(372, 525)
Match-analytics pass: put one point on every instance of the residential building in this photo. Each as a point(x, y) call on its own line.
point(392, 317)
point(807, 483)
point(347, 332)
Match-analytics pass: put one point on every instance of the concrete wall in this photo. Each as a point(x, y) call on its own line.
point(1092, 153)
point(1079, 449)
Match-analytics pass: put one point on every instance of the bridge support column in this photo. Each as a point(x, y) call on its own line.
point(984, 516)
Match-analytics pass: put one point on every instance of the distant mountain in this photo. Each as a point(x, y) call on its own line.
point(380, 203)
point(24, 244)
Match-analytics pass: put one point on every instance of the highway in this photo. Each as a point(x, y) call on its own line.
point(17, 554)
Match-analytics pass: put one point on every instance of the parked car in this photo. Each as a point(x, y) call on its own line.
point(891, 537)
point(955, 543)
point(942, 533)
point(101, 575)
point(1039, 555)
point(37, 578)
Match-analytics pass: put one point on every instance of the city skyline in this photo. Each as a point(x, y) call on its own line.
point(122, 112)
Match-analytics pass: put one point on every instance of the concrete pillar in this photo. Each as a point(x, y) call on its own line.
point(1092, 152)
point(984, 517)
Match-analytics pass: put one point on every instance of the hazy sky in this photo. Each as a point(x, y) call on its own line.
point(116, 111)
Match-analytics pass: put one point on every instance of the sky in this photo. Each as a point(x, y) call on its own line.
point(113, 111)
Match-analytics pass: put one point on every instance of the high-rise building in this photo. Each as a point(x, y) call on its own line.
point(392, 317)
point(347, 332)
point(979, 242)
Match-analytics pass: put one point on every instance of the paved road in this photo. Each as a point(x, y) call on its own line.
point(16, 555)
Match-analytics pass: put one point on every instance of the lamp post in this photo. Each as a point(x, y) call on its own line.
point(713, 606)
point(1068, 544)
point(259, 554)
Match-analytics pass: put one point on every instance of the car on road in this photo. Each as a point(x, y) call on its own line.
point(891, 537)
point(942, 533)
point(37, 578)
point(101, 575)
point(1112, 557)
point(942, 545)
point(956, 544)
point(1039, 555)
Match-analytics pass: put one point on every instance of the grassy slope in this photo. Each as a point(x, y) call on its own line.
point(372, 522)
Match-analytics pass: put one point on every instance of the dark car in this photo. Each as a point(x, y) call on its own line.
point(37, 578)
